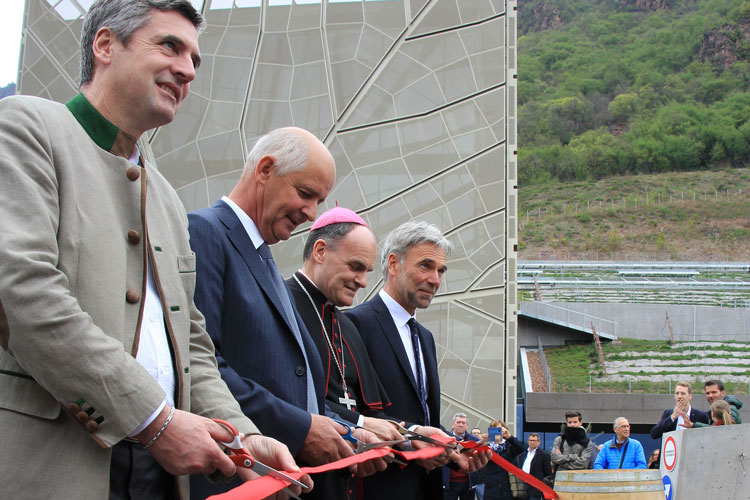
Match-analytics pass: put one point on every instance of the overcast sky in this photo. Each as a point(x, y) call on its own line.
point(11, 20)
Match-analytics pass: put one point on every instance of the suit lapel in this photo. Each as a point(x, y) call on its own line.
point(394, 339)
point(245, 248)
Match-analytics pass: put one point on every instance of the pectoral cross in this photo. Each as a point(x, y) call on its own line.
point(347, 401)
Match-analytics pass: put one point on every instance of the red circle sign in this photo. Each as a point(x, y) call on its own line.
point(669, 453)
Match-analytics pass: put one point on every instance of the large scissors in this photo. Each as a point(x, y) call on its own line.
point(242, 458)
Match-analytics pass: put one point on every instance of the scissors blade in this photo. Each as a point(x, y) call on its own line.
point(265, 470)
point(427, 439)
point(362, 446)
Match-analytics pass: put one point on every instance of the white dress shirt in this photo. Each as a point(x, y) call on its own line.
point(530, 454)
point(401, 318)
point(153, 347)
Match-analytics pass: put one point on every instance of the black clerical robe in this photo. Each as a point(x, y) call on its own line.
point(362, 382)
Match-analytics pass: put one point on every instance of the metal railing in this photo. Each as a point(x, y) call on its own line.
point(569, 318)
point(545, 369)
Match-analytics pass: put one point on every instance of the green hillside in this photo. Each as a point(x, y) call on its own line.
point(685, 216)
point(618, 87)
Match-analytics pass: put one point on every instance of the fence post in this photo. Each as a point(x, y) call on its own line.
point(543, 359)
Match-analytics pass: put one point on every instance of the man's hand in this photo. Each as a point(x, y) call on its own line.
point(382, 428)
point(273, 454)
point(686, 421)
point(431, 463)
point(371, 466)
point(679, 407)
point(324, 443)
point(188, 444)
point(471, 461)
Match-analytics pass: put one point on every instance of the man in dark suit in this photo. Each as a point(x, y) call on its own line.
point(403, 354)
point(535, 461)
point(265, 354)
point(675, 418)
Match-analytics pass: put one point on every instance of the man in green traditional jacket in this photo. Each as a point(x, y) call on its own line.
point(108, 380)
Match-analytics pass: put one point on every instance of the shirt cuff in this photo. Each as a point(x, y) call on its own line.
point(149, 419)
point(361, 421)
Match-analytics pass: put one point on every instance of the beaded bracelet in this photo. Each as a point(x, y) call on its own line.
point(161, 431)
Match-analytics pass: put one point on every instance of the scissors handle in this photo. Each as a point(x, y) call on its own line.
point(348, 436)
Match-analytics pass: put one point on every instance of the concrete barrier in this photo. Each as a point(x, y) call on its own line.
point(709, 462)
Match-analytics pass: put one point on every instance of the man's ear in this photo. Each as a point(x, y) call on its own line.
point(319, 249)
point(104, 42)
point(264, 169)
point(392, 263)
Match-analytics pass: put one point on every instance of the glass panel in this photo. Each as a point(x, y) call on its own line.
point(182, 167)
point(423, 95)
point(444, 14)
point(184, 128)
point(381, 180)
point(221, 185)
point(221, 117)
point(263, 116)
point(306, 46)
point(194, 196)
point(309, 80)
point(221, 153)
point(313, 114)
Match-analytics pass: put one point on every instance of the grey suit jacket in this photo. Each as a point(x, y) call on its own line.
point(73, 250)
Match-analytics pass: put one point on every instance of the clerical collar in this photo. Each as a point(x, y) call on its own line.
point(104, 133)
point(315, 291)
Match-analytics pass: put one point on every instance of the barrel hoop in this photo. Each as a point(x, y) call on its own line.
point(564, 488)
point(620, 475)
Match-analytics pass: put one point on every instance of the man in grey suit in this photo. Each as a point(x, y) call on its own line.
point(108, 381)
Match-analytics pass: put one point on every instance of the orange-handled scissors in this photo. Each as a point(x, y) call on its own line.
point(242, 458)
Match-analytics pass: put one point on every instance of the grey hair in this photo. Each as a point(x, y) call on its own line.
point(288, 148)
point(614, 424)
point(331, 234)
point(125, 17)
point(459, 415)
point(410, 234)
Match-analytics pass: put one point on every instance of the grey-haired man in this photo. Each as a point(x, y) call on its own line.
point(403, 353)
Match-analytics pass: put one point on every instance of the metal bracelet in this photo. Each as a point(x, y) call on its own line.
point(161, 431)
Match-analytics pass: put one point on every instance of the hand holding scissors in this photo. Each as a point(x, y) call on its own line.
point(241, 458)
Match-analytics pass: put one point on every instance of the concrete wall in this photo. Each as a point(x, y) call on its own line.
point(647, 321)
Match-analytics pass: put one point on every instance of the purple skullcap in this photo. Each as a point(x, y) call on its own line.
point(337, 215)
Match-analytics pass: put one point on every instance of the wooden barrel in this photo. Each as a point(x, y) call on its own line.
point(620, 484)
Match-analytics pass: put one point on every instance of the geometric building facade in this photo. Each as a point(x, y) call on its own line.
point(416, 99)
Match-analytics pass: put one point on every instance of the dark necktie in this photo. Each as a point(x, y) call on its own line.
point(286, 304)
point(420, 377)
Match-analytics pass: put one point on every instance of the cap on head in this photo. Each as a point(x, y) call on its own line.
point(338, 215)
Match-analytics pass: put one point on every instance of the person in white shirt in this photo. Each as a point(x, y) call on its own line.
point(535, 461)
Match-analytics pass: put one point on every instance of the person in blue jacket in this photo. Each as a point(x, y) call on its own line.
point(622, 452)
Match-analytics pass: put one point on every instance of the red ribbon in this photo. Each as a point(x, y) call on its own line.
point(267, 485)
point(549, 493)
